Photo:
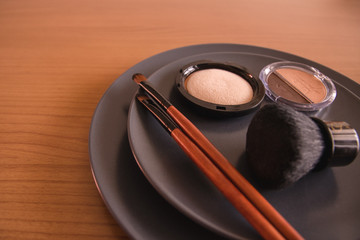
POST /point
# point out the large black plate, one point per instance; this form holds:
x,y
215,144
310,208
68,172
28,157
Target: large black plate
x,y
146,215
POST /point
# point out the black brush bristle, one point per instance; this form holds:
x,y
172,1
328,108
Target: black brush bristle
x,y
282,145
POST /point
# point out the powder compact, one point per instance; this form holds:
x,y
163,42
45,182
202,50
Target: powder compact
x,y
298,85
220,88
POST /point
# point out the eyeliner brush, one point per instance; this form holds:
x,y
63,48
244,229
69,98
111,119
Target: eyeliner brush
x,y
220,161
223,184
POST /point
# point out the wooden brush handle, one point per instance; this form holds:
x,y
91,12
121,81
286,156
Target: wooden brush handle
x,y
239,201
236,178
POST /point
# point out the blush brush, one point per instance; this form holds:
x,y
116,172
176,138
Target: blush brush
x,y
235,179
283,145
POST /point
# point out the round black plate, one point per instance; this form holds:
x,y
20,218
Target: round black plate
x,y
146,215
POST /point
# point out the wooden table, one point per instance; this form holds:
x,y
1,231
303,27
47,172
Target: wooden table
x,y
57,58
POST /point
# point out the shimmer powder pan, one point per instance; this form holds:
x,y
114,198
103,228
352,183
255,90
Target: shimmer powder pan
x,y
298,85
220,88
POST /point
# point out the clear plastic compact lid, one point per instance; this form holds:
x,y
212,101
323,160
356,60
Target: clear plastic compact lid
x,y
298,85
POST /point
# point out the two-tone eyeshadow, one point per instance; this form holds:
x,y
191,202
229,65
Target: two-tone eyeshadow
x,y
298,85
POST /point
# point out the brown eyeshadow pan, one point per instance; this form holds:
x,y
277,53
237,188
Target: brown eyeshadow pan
x,y
298,85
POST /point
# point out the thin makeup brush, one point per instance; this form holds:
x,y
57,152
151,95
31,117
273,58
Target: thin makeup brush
x,y
239,201
220,161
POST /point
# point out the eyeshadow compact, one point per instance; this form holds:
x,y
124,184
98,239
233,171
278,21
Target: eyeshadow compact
x,y
297,85
220,88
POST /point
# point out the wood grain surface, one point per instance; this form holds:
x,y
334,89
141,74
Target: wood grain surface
x,y
57,58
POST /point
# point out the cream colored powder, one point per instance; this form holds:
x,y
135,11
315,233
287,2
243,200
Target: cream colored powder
x,y
219,87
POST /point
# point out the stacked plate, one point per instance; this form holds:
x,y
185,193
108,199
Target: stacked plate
x,y
155,192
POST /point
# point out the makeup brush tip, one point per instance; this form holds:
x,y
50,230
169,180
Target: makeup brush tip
x,y
138,77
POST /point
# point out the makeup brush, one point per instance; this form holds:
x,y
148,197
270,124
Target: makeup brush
x,y
219,160
222,183
283,145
